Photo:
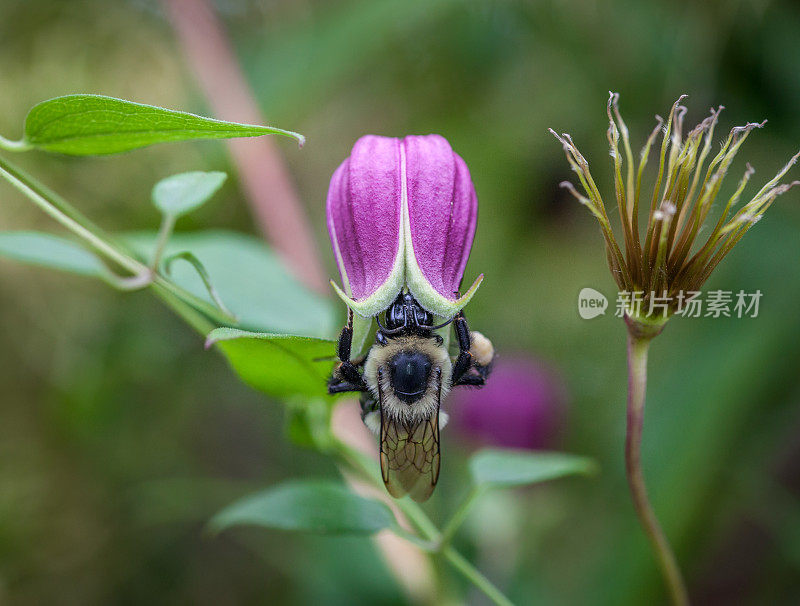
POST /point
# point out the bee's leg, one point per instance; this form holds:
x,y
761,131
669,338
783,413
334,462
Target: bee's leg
x,y
466,370
347,368
346,376
370,413
368,404
464,360
338,386
472,379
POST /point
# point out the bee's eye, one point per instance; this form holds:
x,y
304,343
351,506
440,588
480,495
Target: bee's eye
x,y
395,317
423,317
409,372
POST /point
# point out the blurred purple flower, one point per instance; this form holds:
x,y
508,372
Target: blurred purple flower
x,y
402,212
523,406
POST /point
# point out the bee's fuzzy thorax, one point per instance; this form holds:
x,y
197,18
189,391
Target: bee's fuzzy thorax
x,y
426,406
373,421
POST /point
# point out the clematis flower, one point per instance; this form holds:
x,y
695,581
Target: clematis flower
x,y
402,213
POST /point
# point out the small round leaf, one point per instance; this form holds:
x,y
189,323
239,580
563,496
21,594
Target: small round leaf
x,y
185,192
507,468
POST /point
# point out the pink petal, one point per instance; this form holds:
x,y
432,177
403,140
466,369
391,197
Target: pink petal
x,y
402,212
443,211
364,202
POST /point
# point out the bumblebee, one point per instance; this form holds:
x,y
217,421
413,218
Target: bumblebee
x,y
403,379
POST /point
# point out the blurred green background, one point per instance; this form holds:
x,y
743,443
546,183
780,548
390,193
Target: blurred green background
x,y
120,436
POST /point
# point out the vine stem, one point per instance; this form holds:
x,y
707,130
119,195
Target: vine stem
x,y
473,574
355,460
164,232
14,146
460,515
638,347
42,198
96,242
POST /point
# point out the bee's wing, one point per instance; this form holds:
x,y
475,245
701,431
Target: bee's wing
x,y
410,454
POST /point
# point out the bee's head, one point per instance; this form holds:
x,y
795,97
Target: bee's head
x,y
409,372
406,313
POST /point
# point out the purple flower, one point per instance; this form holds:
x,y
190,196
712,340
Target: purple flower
x,y
522,406
402,212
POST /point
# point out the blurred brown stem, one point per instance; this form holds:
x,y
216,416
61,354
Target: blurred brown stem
x,y
277,208
638,347
270,192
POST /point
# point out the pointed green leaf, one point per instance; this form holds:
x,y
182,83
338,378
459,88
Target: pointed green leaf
x,y
282,366
50,251
94,124
507,468
185,192
309,506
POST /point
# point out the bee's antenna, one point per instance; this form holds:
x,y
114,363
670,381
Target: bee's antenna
x,y
388,331
441,325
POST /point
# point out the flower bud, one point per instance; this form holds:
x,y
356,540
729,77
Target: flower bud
x,y
402,212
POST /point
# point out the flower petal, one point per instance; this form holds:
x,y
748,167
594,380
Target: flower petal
x,y
364,221
402,212
440,210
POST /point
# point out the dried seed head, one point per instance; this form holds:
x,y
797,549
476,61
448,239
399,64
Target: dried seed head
x,y
666,256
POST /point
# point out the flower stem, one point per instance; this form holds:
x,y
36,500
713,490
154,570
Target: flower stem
x,y
164,232
351,458
460,515
637,386
474,575
15,146
270,190
75,222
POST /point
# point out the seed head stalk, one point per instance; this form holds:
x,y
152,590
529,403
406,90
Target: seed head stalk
x,y
638,347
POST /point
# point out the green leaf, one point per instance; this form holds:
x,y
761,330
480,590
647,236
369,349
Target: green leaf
x,y
308,423
282,366
51,251
507,468
94,124
185,192
309,506
249,278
